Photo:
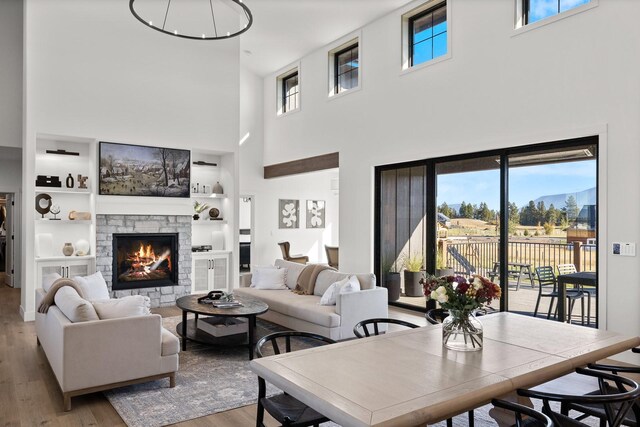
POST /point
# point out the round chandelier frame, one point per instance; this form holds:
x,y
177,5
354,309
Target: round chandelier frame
x,y
216,36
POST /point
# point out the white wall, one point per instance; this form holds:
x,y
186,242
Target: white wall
x,y
574,77
310,186
92,70
11,72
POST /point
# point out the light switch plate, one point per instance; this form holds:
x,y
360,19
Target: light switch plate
x,y
623,248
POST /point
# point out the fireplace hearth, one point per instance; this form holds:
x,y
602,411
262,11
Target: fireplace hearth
x,y
144,260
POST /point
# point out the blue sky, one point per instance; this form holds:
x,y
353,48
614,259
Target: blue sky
x,y
540,9
525,183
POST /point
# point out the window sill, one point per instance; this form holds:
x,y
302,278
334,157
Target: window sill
x,y
344,93
546,21
427,64
288,113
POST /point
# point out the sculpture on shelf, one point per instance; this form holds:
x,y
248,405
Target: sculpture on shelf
x,y
70,182
79,216
43,204
214,213
82,181
55,210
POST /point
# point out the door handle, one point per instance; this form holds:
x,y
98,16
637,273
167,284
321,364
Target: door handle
x,y
67,272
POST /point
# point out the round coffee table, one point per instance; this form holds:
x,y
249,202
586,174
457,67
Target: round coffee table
x,y
188,329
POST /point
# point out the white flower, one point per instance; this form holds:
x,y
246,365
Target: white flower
x,y
440,295
477,283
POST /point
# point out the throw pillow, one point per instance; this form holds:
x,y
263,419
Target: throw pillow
x,y
48,279
293,271
347,285
269,278
255,274
73,306
129,306
94,287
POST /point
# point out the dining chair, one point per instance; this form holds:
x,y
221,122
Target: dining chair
x,y
364,325
535,418
284,247
333,255
286,409
548,288
588,290
615,394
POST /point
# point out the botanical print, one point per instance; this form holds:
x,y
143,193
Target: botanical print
x,y
315,213
134,170
288,213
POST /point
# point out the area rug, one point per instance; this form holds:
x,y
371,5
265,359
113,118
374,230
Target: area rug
x,y
212,380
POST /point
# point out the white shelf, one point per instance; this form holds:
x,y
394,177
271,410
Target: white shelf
x,y
64,221
208,196
60,190
208,221
62,257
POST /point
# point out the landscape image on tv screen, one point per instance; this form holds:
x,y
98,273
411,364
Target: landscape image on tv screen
x,y
135,170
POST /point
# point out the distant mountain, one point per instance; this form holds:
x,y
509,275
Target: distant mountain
x,y
585,197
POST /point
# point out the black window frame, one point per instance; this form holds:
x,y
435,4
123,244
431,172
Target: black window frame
x,y
527,3
337,74
419,15
284,97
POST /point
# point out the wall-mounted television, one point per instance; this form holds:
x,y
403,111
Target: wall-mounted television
x,y
137,170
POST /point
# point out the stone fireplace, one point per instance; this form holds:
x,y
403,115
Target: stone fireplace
x,y
147,270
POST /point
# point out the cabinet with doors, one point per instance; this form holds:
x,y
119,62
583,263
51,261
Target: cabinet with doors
x,y
209,271
65,266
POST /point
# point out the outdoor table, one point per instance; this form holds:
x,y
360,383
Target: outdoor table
x,y
516,269
586,278
408,378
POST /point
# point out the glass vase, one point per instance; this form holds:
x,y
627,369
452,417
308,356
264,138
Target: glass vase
x,y
461,331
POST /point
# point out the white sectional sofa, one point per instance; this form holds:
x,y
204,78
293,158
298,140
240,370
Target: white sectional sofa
x,y
304,312
95,355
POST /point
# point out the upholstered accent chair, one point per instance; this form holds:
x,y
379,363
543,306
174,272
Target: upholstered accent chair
x,y
284,247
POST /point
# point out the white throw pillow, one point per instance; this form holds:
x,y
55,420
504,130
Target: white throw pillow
x,y
94,287
293,271
255,273
353,285
133,305
48,279
331,294
269,278
73,306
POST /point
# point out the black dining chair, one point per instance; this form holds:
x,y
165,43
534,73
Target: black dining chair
x,y
365,324
535,418
287,410
548,288
614,394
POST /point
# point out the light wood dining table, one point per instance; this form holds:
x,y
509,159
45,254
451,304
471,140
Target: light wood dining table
x,y
407,378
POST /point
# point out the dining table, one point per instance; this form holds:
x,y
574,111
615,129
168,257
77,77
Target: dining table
x,y
407,378
582,278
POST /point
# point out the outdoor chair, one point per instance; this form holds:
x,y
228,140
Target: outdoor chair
x,y
614,394
284,247
364,325
332,255
588,290
548,288
287,410
535,418
467,268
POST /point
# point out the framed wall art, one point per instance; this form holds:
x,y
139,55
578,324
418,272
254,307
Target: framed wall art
x,y
288,213
136,170
315,213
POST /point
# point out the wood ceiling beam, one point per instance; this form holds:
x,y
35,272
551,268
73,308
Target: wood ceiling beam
x,y
309,164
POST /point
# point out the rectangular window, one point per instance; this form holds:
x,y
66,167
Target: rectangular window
x,y
536,10
290,92
428,35
346,66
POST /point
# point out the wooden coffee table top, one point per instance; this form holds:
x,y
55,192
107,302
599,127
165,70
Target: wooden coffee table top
x,y
251,306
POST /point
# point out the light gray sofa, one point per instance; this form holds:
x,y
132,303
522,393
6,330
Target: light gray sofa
x,y
304,312
96,355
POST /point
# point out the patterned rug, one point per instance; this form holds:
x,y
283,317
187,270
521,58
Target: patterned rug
x,y
212,380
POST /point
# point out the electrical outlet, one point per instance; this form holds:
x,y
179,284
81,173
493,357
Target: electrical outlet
x,y
623,248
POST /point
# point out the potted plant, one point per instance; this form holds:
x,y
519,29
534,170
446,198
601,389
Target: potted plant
x,y
198,208
391,280
412,275
441,268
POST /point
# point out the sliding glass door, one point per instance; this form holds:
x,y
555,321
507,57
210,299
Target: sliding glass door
x,y
503,214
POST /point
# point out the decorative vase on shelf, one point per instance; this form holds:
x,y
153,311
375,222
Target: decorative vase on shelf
x,y
196,217
217,188
70,181
68,249
462,331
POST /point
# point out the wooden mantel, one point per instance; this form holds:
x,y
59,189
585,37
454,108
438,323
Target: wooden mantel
x,y
309,164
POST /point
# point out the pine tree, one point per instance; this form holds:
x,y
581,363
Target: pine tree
x,y
571,208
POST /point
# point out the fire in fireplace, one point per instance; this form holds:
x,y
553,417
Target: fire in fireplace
x,y
143,260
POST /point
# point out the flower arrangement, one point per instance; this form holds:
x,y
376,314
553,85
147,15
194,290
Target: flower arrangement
x,y
457,293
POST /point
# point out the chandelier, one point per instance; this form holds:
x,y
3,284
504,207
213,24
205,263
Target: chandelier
x,y
194,19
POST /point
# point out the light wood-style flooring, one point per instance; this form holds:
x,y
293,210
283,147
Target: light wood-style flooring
x,y
29,393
